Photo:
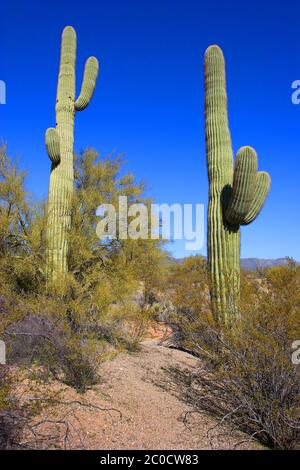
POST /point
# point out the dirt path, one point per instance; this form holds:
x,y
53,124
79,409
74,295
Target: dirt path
x,y
151,401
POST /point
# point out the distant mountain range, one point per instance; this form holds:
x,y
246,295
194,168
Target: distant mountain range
x,y
250,264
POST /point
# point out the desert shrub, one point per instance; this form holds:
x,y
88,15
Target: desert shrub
x,y
18,410
69,326
118,266
185,300
187,284
48,341
247,378
21,231
130,324
10,415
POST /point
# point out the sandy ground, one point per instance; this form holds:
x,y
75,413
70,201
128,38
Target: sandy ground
x,y
148,388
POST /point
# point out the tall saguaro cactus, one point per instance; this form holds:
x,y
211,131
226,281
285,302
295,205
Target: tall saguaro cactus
x,y
237,191
59,144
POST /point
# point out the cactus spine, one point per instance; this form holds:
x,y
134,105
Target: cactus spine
x,y
237,191
59,145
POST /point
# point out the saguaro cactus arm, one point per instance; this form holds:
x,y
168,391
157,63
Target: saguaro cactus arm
x,y
243,188
53,145
262,188
88,85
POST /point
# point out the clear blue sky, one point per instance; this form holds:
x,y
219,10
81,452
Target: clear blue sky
x,y
149,97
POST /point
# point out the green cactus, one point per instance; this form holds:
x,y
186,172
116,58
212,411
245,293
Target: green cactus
x,y
59,144
237,191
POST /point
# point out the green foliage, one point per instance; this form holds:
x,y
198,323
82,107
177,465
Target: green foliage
x,y
72,326
112,269
187,286
237,192
246,377
21,230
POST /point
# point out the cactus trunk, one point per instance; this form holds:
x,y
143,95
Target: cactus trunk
x,y
235,195
60,147
223,239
